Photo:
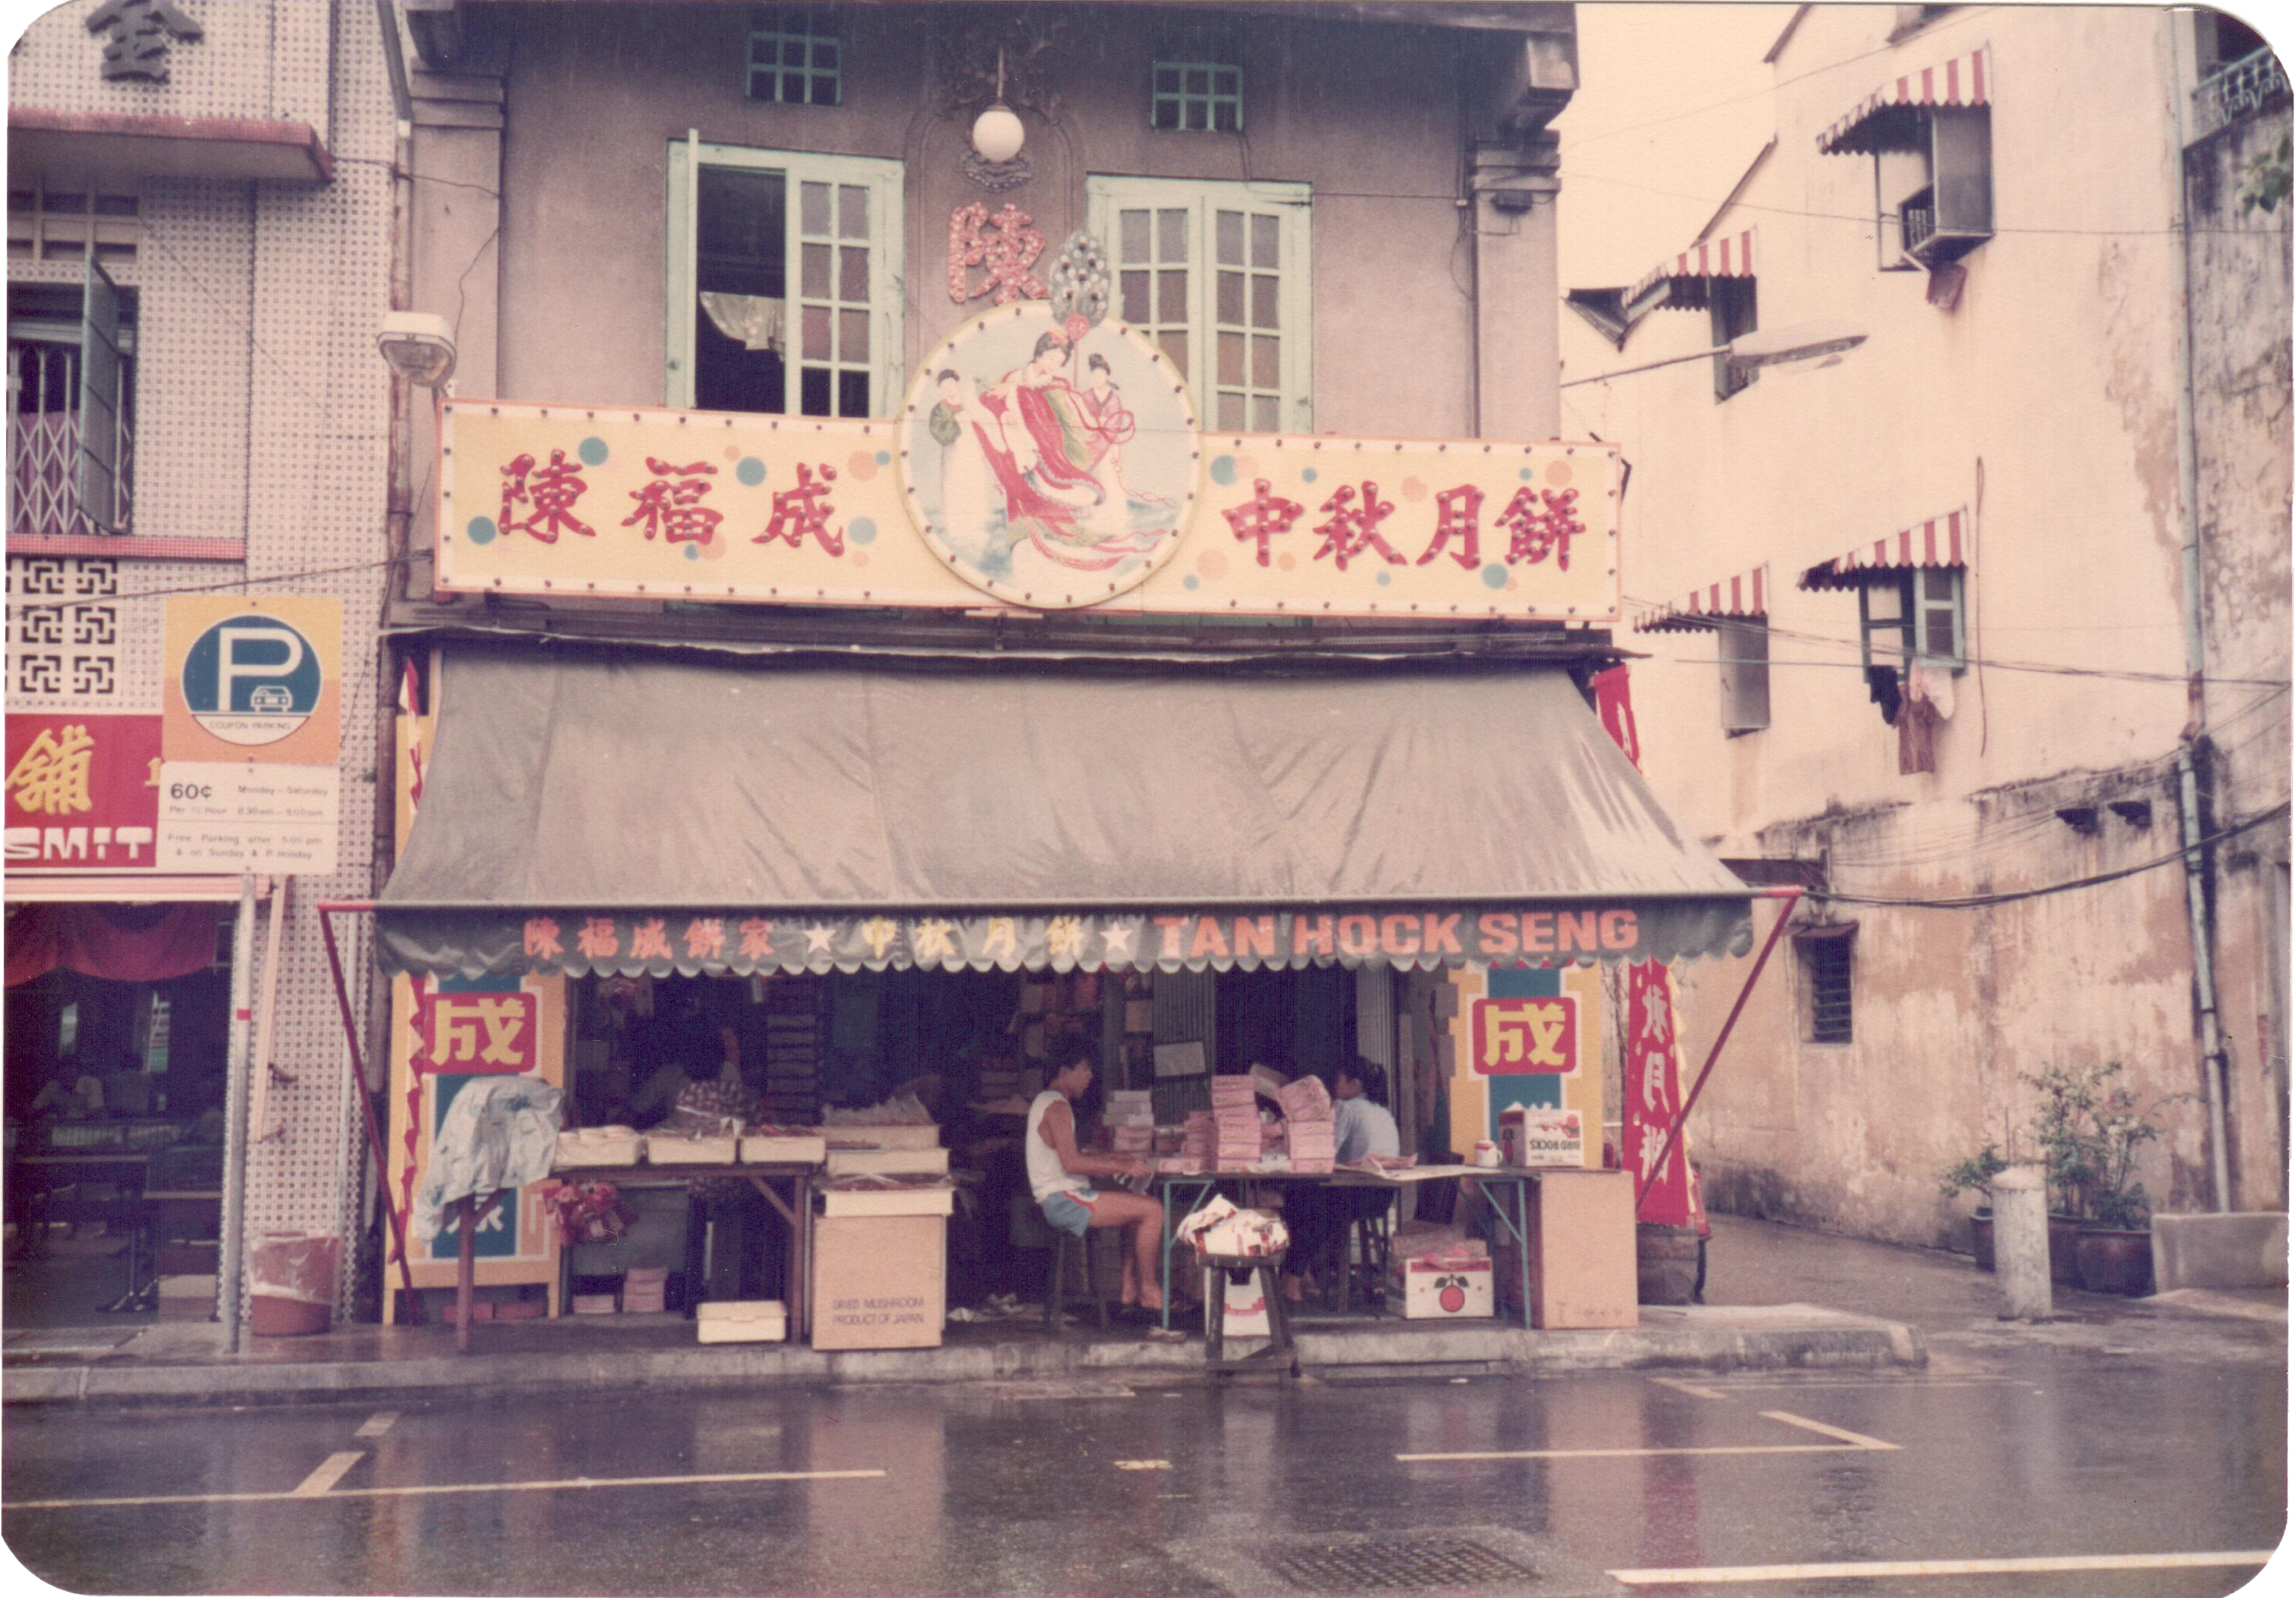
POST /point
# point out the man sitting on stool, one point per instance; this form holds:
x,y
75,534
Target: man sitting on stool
x,y
1058,1169
1319,1216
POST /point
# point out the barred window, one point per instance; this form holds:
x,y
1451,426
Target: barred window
x,y
795,55
1196,83
1828,956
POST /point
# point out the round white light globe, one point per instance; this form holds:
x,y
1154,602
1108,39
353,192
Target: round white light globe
x,y
998,133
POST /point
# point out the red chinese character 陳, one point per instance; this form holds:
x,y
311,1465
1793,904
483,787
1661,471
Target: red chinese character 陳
x,y
1458,514
1265,516
1539,520
804,509
549,496
542,938
671,503
757,938
1004,244
649,941
596,940
1353,529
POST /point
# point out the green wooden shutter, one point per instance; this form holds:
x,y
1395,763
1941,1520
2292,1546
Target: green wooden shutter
x,y
95,488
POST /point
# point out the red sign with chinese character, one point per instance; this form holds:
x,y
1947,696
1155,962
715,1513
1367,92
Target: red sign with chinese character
x,y
474,1033
1525,1037
1653,1098
83,793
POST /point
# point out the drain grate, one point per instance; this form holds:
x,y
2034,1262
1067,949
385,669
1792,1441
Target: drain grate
x,y
1403,1565
1234,1555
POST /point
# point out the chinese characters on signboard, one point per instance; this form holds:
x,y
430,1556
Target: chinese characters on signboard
x,y
1042,465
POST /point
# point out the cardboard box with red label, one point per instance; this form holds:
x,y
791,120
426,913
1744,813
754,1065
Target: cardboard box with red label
x,y
1435,1291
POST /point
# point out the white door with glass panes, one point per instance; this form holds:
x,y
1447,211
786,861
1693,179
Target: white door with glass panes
x,y
1217,274
784,279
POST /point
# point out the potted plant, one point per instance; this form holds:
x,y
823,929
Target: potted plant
x,y
2089,1130
1976,1174
2062,1128
2114,1250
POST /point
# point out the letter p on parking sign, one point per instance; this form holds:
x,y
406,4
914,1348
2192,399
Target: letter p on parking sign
x,y
250,678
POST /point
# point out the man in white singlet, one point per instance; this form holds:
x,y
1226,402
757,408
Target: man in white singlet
x,y
1059,1174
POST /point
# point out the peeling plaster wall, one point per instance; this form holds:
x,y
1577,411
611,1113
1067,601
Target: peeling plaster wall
x,y
2045,403
2241,380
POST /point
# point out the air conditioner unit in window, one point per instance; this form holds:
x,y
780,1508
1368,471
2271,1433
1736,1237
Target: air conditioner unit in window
x,y
1953,214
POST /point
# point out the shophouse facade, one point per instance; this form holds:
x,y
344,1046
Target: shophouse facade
x,y
1951,620
199,226
1324,227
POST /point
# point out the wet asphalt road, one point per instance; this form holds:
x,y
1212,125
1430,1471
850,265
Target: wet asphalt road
x,y
1997,1450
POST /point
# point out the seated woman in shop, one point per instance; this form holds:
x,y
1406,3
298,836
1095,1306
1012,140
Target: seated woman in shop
x,y
1059,1178
1319,1216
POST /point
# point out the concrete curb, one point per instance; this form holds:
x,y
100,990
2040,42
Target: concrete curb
x,y
1706,1340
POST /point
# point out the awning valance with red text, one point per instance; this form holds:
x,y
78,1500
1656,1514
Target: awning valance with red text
x,y
635,813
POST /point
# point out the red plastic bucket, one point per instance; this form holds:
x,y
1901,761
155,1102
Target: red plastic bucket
x,y
291,1283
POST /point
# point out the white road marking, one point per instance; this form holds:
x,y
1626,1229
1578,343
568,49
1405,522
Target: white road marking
x,y
1630,1452
1856,1439
1909,1384
376,1425
1851,1442
568,1485
1143,1464
1692,1388
1935,1567
329,1474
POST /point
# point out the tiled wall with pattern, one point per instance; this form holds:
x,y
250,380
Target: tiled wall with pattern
x,y
262,412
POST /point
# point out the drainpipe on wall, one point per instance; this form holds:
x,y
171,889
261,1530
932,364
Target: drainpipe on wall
x,y
2197,858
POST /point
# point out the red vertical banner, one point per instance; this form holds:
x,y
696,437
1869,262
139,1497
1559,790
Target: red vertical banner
x,y
1652,1099
1652,1094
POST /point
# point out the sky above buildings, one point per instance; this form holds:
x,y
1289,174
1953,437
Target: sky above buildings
x,y
1673,105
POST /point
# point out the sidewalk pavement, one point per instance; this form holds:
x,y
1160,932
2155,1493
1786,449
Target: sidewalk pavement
x,y
1767,1285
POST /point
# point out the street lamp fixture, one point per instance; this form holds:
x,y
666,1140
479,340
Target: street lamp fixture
x,y
419,346
1821,342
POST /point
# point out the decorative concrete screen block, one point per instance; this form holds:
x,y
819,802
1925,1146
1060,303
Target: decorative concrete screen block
x,y
879,1282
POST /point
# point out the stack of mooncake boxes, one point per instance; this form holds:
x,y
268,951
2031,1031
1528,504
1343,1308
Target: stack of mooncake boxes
x,y
1131,1122
1308,1125
1235,1123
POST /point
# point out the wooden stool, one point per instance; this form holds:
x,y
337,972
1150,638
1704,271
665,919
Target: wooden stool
x,y
1066,1246
1366,1235
1279,1352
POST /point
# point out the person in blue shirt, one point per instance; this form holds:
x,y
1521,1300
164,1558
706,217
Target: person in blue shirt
x,y
1318,1216
1361,1125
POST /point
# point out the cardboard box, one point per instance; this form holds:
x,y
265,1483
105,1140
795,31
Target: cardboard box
x,y
1582,1263
766,1149
1542,1138
923,1135
888,1162
936,1199
879,1282
1432,1292
664,1148
742,1321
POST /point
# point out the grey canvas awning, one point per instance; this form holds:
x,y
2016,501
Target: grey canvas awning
x,y
611,814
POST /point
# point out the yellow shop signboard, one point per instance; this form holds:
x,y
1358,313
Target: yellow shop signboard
x,y
1032,465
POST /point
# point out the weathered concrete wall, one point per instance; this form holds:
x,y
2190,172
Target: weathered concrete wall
x,y
596,94
2240,266
2043,402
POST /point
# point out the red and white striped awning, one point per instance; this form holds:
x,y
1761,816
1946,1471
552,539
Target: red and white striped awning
x,y
1686,275
1940,540
1740,598
1888,118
